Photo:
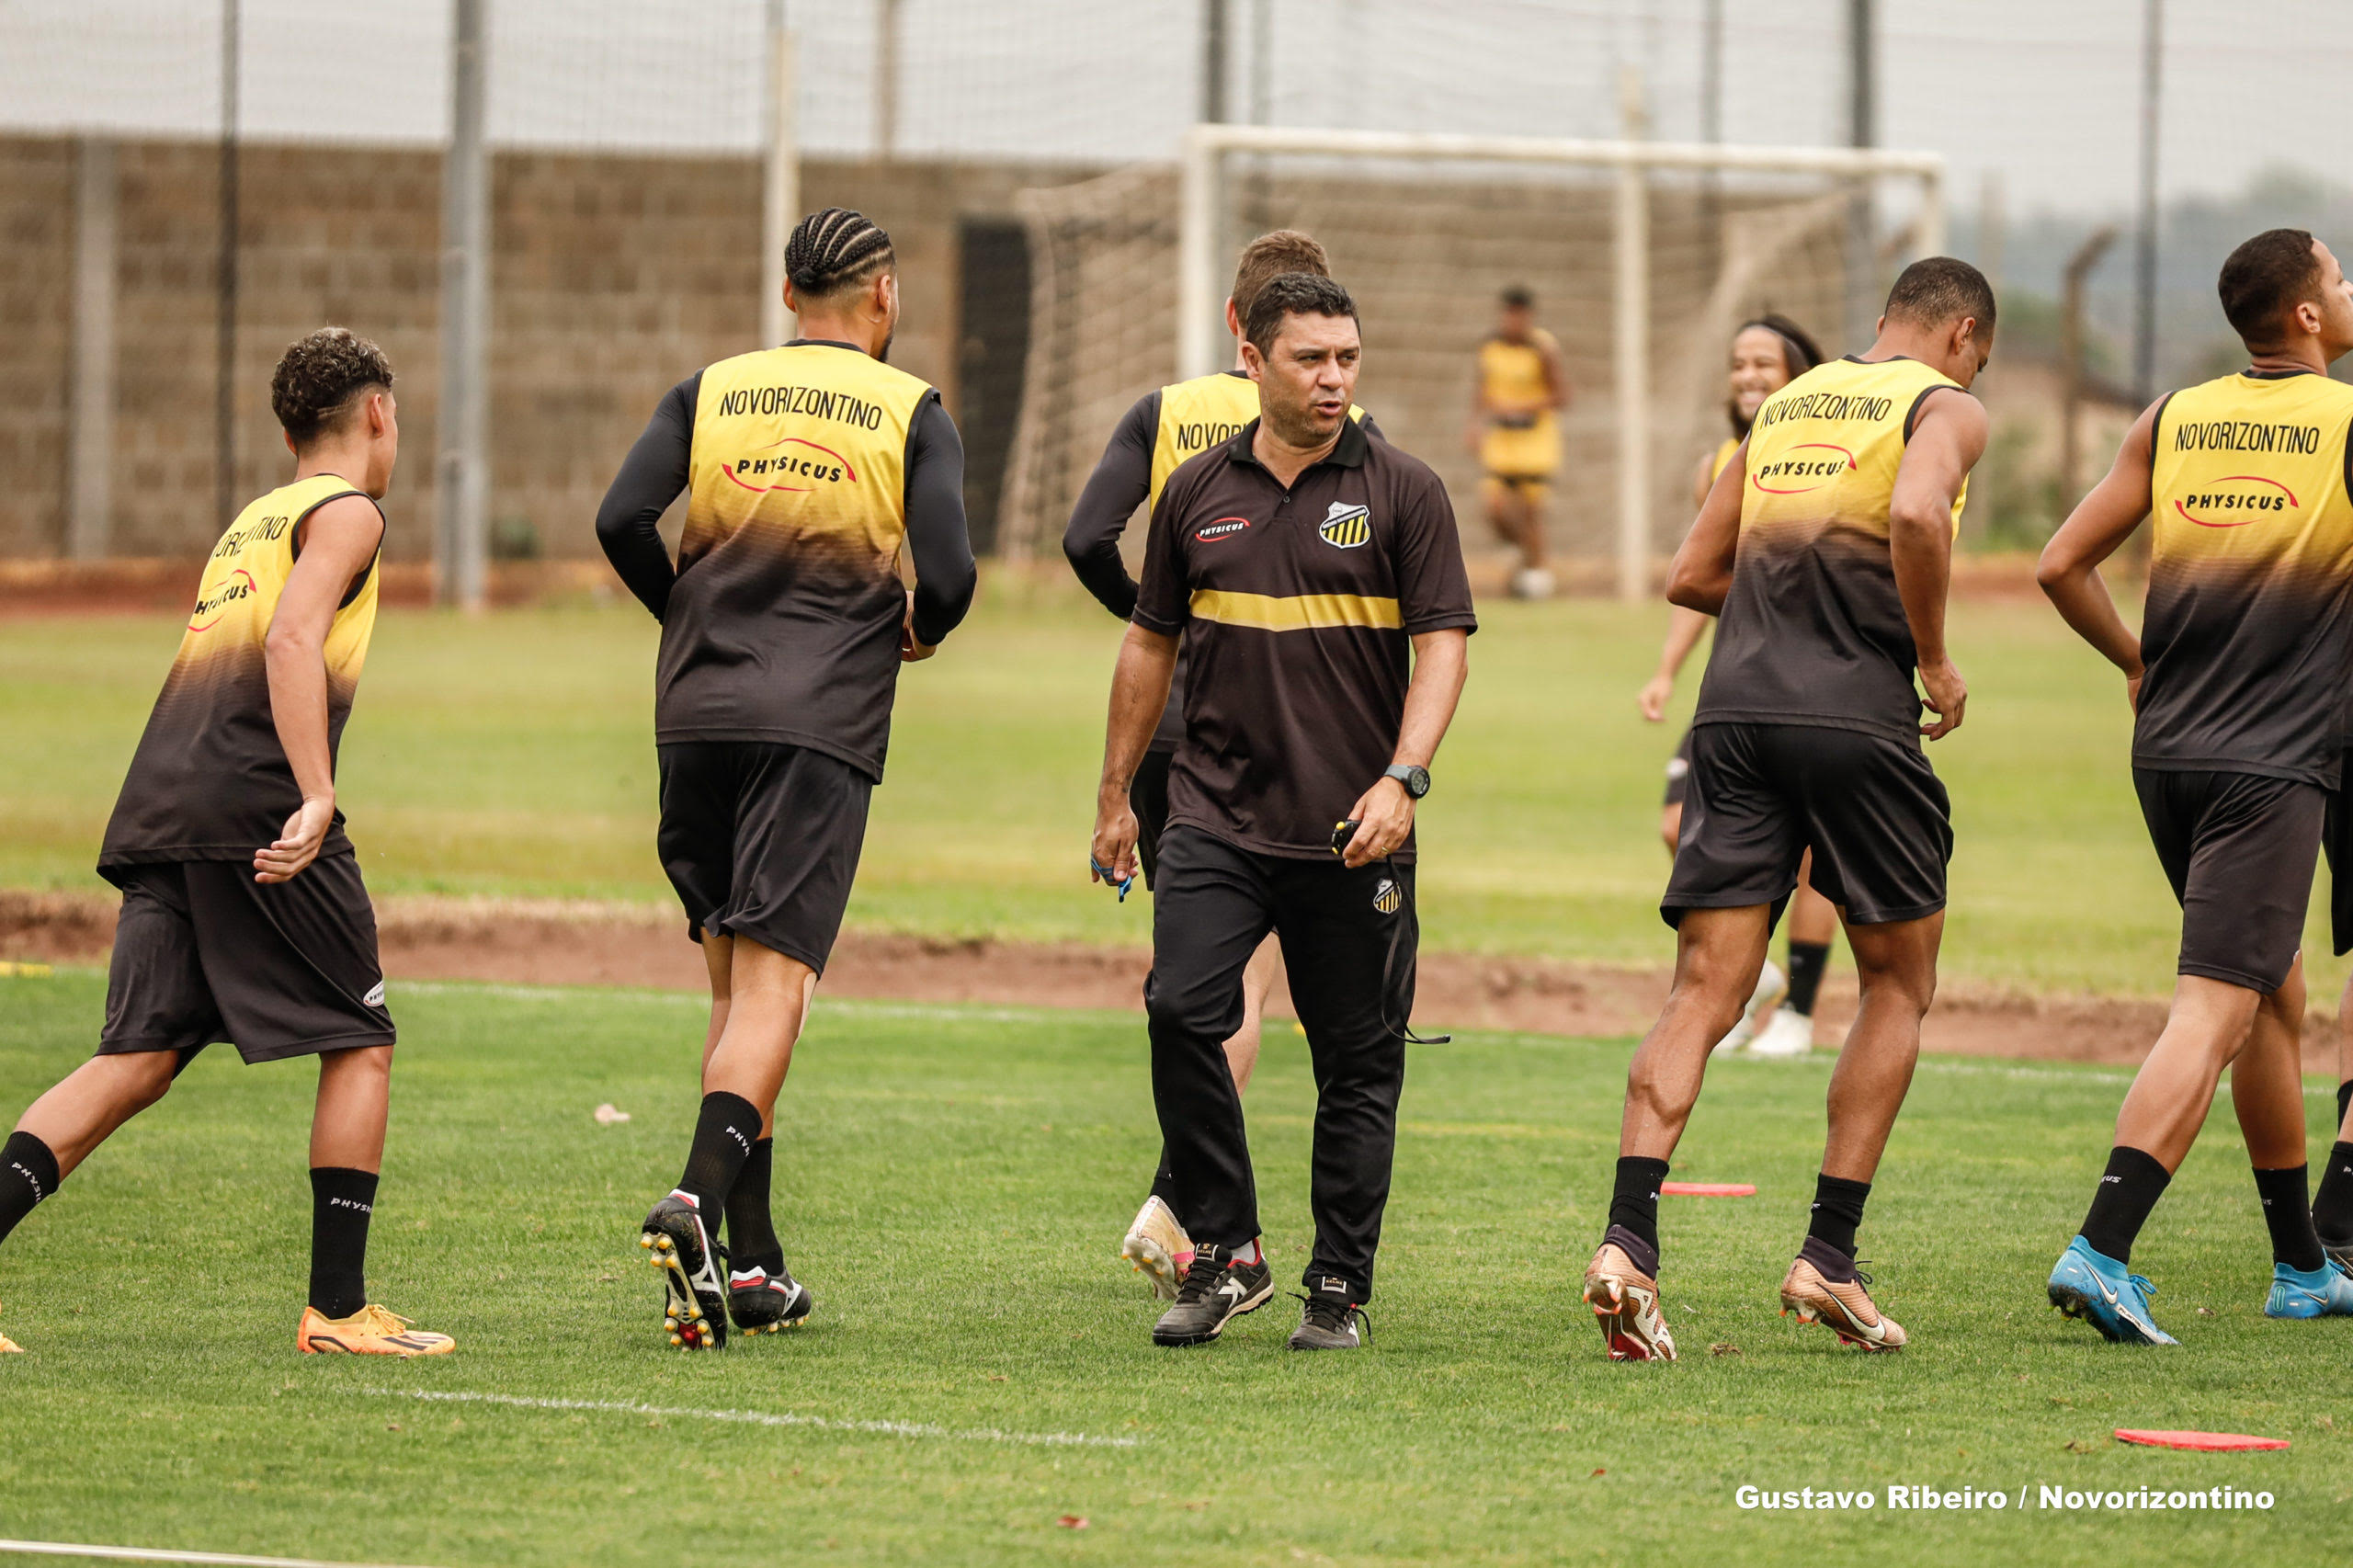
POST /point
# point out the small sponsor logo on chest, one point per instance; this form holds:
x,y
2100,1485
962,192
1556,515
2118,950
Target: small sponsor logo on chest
x,y
1345,527
1225,528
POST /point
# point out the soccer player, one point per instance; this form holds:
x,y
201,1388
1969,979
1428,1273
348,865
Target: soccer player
x,y
1824,550
1302,561
1515,432
809,469
1766,354
2237,682
1165,428
243,916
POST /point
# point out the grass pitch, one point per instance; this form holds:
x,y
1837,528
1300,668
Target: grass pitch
x,y
952,1183
514,754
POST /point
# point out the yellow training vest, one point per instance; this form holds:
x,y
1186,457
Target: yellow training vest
x,y
1724,456
2249,633
1826,448
209,780
805,443
1522,444
1198,415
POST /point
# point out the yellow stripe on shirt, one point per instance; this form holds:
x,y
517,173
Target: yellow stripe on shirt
x,y
1296,612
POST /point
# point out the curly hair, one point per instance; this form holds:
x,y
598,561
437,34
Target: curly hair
x,y
319,377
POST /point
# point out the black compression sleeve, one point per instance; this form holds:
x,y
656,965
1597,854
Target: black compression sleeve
x,y
1113,492
651,477
937,540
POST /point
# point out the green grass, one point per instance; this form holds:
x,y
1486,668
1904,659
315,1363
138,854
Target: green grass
x,y
514,755
953,1184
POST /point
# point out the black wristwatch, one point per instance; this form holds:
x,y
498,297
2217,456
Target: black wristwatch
x,y
1415,780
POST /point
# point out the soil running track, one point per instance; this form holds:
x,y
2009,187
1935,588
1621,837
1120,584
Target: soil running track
x,y
554,943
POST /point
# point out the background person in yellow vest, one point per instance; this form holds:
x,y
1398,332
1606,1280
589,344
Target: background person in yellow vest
x,y
243,916
1824,550
810,470
1766,354
2237,681
1515,432
1165,428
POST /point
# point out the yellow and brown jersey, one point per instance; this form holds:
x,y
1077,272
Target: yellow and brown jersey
x,y
1730,445
1814,631
783,623
1524,444
2249,622
210,780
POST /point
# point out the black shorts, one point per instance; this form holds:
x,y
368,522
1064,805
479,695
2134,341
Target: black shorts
x,y
1148,798
1679,770
762,841
204,955
2240,850
2336,837
1759,796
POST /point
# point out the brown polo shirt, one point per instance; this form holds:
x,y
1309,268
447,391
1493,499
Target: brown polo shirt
x,y
1296,608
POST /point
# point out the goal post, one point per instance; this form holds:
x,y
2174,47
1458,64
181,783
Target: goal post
x,y
1204,240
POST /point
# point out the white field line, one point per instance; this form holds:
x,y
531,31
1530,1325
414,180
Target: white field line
x,y
775,1418
154,1554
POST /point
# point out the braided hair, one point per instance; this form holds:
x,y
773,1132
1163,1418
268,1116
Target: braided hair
x,y
834,250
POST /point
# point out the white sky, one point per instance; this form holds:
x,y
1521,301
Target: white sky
x,y
2044,92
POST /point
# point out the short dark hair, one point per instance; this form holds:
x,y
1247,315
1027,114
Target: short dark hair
x,y
1268,258
832,251
1294,294
1941,288
1518,297
2264,278
319,377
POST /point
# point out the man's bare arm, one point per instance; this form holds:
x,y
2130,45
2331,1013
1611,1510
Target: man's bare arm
x,y
1945,445
1385,814
337,542
1139,694
2069,571
1702,576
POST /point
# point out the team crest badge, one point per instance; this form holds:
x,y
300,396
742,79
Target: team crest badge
x,y
1386,897
1347,527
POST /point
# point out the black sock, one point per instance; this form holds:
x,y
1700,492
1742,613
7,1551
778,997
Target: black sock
x,y
751,1230
2332,1206
724,1134
27,1175
2286,1213
1807,962
341,1201
1634,1203
2129,1189
1838,1209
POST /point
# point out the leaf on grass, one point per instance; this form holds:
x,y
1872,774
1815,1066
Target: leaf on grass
x,y
610,1113
2076,1446
1723,1348
1071,1522
1597,1470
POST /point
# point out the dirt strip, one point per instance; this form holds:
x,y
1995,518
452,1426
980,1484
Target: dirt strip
x,y
547,942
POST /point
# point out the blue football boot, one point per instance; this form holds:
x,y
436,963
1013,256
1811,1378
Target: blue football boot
x,y
2094,1287
2323,1293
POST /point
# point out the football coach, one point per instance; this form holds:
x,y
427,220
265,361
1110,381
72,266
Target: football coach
x,y
1313,574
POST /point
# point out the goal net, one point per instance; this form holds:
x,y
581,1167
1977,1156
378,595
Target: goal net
x,y
1130,270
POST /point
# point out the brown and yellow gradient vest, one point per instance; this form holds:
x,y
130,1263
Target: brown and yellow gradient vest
x,y
210,780
1194,415
2248,634
1814,631
784,624
1528,446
